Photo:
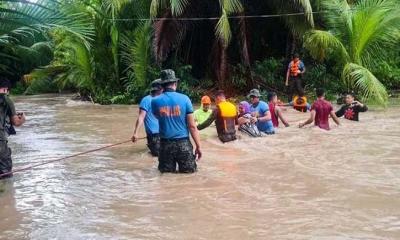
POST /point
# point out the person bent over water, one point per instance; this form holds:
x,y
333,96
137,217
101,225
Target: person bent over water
x,y
260,112
201,115
276,111
147,117
244,121
225,117
320,112
174,112
351,109
7,112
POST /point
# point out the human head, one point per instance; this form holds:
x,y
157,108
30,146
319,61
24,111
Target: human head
x,y
254,96
220,96
272,97
244,107
320,93
296,57
349,98
205,103
168,79
4,85
156,88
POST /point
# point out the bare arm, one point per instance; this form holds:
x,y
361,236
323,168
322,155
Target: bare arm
x,y
138,124
287,77
281,117
18,120
335,118
195,135
309,120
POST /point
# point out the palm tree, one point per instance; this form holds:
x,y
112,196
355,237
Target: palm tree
x,y
359,35
172,34
24,29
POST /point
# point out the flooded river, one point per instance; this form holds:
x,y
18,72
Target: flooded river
x,y
298,184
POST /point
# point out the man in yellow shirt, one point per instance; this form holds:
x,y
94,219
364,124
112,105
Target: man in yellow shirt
x,y
202,114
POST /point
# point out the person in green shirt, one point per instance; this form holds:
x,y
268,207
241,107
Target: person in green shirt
x,y
202,114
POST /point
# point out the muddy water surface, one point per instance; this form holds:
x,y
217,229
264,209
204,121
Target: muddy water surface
x,y
297,184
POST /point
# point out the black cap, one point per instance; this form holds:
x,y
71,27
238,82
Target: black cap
x,y
4,82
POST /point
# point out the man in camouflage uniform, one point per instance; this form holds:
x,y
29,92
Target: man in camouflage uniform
x,y
174,112
7,114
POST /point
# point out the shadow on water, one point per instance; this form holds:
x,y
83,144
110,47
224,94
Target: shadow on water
x,y
297,184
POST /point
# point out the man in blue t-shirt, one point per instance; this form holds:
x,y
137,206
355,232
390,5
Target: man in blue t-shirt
x,y
174,112
147,117
260,113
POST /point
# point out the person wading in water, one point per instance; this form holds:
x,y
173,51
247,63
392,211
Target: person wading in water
x,y
294,74
225,117
7,115
147,117
174,112
260,113
201,115
351,109
320,112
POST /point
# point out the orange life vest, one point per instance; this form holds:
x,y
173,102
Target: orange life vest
x,y
294,68
300,103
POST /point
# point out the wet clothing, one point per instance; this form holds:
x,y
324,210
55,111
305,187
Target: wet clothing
x,y
300,104
260,110
7,111
175,152
351,112
225,117
295,79
150,121
153,143
200,116
249,128
322,109
274,116
171,110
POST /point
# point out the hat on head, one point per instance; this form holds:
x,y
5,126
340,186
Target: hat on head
x,y
168,76
255,93
205,100
156,85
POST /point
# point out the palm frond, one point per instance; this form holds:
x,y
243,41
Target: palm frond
x,y
322,43
365,82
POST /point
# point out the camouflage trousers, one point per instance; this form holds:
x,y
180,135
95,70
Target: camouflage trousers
x,y
5,159
175,152
153,143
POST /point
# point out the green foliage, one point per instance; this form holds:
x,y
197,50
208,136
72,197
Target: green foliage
x,y
272,72
357,34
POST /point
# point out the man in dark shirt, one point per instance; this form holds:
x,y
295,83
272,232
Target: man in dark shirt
x,y
320,112
225,117
7,111
351,109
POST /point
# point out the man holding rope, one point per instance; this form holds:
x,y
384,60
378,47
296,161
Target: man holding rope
x,y
7,114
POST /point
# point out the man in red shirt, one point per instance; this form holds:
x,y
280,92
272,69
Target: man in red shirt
x,y
320,112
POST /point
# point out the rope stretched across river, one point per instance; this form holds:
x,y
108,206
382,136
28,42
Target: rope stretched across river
x,y
64,158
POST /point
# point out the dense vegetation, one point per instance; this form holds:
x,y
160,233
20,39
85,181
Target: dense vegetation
x,y
109,50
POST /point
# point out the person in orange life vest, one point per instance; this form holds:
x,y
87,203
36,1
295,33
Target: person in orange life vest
x,y
276,111
320,112
300,103
351,109
294,73
225,117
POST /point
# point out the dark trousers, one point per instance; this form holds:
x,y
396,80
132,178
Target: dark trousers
x,y
5,159
175,152
295,87
153,143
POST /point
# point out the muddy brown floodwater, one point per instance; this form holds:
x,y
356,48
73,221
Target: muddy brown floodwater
x,y
298,184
